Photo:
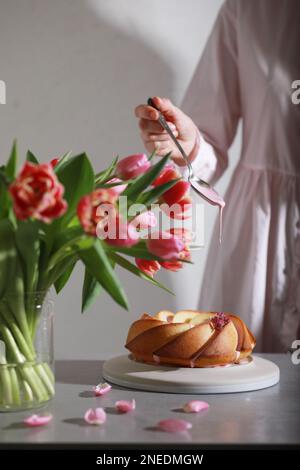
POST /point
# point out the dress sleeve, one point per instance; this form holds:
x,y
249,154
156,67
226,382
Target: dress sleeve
x,y
213,97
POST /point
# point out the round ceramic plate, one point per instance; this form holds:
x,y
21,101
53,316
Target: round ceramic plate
x,y
252,375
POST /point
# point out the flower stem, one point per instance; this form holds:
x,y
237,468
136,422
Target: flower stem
x,y
15,386
7,395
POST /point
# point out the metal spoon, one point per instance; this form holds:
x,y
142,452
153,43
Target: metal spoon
x,y
201,187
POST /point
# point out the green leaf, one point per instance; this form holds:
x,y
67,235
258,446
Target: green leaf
x,y
62,162
77,177
7,256
5,200
124,263
139,250
11,166
60,283
152,155
98,265
70,233
152,195
112,185
30,157
143,181
58,271
105,175
27,241
82,242
90,290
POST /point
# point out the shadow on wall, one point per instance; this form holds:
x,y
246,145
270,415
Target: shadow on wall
x,y
72,79
72,82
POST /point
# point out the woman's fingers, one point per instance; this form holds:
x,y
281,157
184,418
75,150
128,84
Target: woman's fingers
x,y
155,137
162,137
161,148
154,126
144,111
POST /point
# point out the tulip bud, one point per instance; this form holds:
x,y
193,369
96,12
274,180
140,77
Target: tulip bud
x,y
132,166
164,245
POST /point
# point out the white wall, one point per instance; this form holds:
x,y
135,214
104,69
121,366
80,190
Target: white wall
x,y
74,71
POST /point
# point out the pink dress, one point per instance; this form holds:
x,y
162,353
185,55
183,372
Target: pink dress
x,y
246,72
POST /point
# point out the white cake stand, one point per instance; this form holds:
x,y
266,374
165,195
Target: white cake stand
x,y
255,374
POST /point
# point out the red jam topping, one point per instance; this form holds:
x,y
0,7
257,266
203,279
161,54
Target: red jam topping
x,y
220,320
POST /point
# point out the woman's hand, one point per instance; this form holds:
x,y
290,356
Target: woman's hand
x,y
155,137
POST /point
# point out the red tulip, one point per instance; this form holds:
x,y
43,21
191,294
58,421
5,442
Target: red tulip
x,y
180,210
167,174
94,209
165,245
54,162
183,233
132,166
176,193
37,193
149,267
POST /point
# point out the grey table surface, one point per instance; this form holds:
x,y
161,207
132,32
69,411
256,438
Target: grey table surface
x,y
270,416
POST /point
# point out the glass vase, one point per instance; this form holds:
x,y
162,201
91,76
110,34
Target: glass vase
x,y
26,350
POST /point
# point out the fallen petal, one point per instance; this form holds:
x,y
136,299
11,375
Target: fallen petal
x,y
125,406
195,406
38,420
95,416
174,425
101,389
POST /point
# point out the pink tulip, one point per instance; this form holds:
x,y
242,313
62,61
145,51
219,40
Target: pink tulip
x,y
174,425
124,406
119,188
38,420
95,416
165,245
148,266
177,264
195,406
144,220
119,233
132,166
101,389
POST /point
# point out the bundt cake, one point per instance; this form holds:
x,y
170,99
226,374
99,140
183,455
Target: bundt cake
x,y
190,339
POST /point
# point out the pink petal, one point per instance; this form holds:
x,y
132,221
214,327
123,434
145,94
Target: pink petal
x,y
195,406
174,425
101,389
125,406
119,188
38,420
144,220
95,416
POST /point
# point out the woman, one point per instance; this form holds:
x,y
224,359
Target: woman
x,y
246,72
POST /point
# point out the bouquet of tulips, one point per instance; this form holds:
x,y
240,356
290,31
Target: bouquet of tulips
x,y
53,215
